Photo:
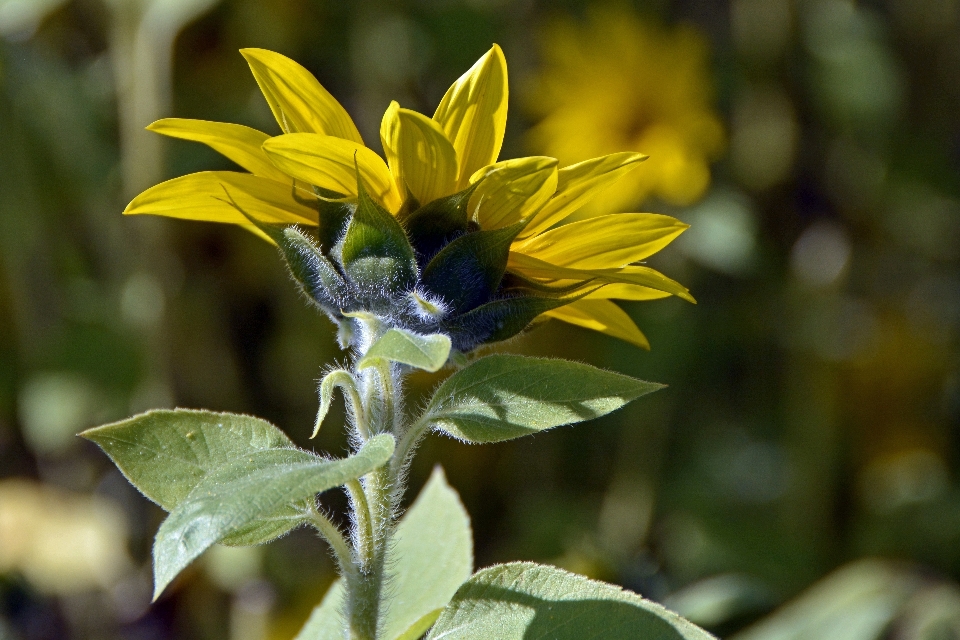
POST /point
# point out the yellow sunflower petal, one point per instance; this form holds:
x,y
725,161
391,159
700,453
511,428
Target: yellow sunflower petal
x,y
420,155
636,277
603,316
328,162
200,196
580,182
235,141
512,190
619,291
299,103
473,113
603,242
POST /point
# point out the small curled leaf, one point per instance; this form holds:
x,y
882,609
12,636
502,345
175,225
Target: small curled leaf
x,y
337,378
429,353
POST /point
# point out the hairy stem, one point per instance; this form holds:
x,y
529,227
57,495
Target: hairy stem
x,y
364,538
372,511
329,532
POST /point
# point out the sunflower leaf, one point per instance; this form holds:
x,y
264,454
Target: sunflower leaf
x,y
165,454
248,491
525,601
501,397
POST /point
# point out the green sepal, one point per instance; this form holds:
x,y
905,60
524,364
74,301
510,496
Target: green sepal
x,y
497,320
315,274
434,225
514,283
467,272
333,213
332,222
375,251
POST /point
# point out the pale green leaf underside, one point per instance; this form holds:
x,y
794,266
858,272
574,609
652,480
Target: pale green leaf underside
x,y
165,454
397,345
325,621
501,397
261,485
431,556
526,601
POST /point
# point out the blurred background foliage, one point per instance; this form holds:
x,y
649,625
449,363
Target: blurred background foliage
x,y
798,478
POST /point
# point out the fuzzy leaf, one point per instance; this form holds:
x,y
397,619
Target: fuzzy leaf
x,y
336,378
432,555
501,397
243,493
527,601
467,272
326,620
165,454
397,345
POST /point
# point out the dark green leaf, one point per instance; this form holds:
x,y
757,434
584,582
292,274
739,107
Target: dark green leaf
x,y
165,454
526,601
243,493
375,250
467,272
501,397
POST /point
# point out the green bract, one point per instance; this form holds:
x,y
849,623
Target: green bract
x,y
430,272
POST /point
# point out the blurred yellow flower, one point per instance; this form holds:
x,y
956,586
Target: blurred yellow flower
x,y
620,83
322,157
61,542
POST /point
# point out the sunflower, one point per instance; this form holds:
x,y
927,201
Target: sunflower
x,y
617,82
439,235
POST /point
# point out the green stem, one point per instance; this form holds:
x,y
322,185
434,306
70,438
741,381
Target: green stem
x,y
387,387
362,519
405,446
372,505
334,538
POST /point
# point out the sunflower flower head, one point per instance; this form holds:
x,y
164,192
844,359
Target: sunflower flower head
x,y
617,82
437,237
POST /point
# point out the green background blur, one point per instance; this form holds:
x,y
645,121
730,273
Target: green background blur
x,y
812,413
